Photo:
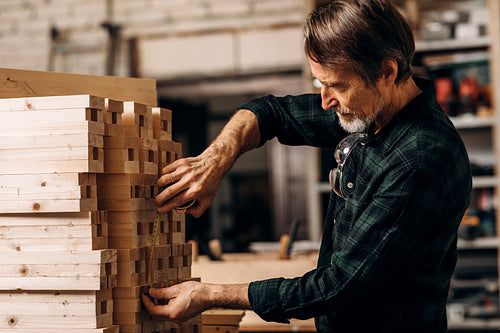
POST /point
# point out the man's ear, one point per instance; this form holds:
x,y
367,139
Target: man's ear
x,y
389,70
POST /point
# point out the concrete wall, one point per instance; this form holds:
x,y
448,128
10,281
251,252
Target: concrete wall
x,y
174,37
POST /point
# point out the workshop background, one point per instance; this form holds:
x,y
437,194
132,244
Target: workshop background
x,y
209,56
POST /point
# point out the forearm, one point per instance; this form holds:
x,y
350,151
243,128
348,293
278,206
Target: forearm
x,y
233,296
239,135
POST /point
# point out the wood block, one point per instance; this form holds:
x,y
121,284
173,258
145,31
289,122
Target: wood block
x,y
131,280
51,103
27,193
131,261
148,156
222,317
113,111
131,318
21,83
219,329
121,154
162,123
137,120
133,328
129,292
169,151
131,235
79,270
128,305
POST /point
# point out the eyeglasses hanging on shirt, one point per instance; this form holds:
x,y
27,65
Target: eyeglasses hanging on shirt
x,y
342,152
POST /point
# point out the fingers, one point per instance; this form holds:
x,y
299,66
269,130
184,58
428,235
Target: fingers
x,y
158,311
183,180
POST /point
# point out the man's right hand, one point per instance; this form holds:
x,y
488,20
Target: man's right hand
x,y
198,178
193,178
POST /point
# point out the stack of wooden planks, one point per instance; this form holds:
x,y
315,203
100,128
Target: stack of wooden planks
x,y
77,183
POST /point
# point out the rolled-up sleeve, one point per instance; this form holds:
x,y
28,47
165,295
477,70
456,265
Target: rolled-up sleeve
x,y
264,299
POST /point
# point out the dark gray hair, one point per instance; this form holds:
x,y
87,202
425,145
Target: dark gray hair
x,y
358,35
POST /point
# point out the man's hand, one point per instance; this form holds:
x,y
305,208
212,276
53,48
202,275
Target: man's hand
x,y
186,300
183,301
193,178
198,178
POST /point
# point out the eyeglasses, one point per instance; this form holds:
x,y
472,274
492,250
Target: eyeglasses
x,y
342,152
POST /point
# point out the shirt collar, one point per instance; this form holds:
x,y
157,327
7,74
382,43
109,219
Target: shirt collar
x,y
414,111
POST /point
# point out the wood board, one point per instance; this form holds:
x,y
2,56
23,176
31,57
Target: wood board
x,y
22,83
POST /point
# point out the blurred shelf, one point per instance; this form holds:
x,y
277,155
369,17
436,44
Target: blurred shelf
x,y
452,44
475,324
479,243
471,122
484,181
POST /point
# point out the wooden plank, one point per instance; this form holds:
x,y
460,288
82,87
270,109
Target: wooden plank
x,y
49,127
48,231
61,258
48,180
110,329
48,193
51,103
69,141
49,206
33,118
21,83
76,219
58,244
52,160
18,321
90,297
85,270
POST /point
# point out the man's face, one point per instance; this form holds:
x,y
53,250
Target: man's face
x,y
356,105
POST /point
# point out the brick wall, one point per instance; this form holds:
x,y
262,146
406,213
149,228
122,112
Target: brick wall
x,y
175,37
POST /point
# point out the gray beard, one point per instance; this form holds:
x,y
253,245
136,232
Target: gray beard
x,y
356,125
360,124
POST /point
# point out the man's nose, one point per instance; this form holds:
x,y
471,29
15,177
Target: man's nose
x,y
328,99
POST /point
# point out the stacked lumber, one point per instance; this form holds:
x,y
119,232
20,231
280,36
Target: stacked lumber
x,y
77,185
57,271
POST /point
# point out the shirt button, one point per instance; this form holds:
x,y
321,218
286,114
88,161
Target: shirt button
x,y
350,185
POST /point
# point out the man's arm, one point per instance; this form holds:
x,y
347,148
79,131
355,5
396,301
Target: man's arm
x,y
186,300
199,177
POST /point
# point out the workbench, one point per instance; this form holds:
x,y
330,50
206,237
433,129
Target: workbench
x,y
248,267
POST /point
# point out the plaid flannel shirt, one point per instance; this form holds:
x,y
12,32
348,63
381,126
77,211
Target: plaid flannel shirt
x,y
389,250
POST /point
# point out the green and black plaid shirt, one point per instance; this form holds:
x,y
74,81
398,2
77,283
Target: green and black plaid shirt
x,y
389,250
